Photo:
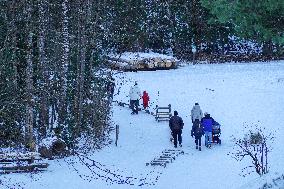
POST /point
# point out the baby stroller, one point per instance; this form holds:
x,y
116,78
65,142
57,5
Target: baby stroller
x,y
216,132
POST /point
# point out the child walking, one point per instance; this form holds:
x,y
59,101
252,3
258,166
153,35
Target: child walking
x,y
146,99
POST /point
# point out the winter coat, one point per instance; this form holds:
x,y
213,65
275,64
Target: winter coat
x,y
207,123
134,93
196,113
197,129
176,123
110,87
145,98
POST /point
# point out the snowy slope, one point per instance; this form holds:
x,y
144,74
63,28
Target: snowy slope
x,y
234,94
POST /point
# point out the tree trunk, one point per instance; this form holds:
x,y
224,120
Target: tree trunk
x,y
64,67
44,115
29,72
12,35
81,58
196,25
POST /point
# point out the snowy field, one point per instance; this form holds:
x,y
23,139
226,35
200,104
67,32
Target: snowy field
x,y
234,94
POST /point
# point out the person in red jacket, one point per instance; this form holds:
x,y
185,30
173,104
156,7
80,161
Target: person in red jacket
x,y
146,99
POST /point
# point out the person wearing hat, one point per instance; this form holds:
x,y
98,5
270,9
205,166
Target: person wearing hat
x,y
176,126
196,112
145,99
207,123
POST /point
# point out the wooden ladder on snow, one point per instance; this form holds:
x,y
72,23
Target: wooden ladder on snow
x,y
168,156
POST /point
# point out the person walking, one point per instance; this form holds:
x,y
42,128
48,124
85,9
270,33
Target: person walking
x,y
176,126
146,99
197,131
110,88
207,123
196,112
135,95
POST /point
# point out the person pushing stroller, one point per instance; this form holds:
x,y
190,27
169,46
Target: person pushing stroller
x,y
207,122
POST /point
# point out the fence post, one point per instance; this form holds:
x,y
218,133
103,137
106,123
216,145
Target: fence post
x,y
116,134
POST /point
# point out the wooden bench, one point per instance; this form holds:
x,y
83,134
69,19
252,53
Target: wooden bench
x,y
23,168
21,162
163,113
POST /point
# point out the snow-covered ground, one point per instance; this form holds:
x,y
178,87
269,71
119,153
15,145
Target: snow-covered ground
x,y
234,94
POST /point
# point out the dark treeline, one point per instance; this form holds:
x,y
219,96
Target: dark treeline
x,y
51,52
211,27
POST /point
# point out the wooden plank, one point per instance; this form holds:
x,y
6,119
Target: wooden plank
x,y
163,116
5,163
163,120
158,163
168,157
20,171
171,150
19,159
159,108
19,155
167,160
25,167
163,113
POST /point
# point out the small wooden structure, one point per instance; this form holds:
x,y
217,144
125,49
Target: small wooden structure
x,y
21,162
163,113
167,156
116,134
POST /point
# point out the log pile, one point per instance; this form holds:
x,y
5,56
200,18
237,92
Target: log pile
x,y
141,61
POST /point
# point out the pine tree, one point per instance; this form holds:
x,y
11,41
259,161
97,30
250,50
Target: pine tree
x,y
261,21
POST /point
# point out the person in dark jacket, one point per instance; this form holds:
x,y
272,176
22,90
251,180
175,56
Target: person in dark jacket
x,y
207,123
110,88
197,131
176,126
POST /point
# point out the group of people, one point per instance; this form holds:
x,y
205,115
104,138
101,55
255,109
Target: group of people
x,y
200,126
135,96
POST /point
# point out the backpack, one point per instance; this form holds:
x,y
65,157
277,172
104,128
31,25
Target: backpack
x,y
198,130
176,123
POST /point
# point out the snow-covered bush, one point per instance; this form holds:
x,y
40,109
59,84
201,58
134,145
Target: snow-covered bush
x,y
254,145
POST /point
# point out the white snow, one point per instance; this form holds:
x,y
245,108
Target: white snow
x,y
48,141
234,94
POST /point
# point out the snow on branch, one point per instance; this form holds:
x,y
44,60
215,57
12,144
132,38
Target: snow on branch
x,y
256,144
